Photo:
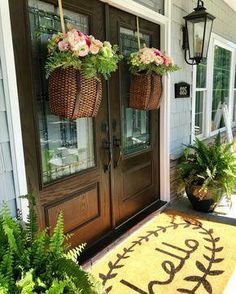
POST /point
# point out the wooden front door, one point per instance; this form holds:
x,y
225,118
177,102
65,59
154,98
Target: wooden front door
x,y
64,159
99,172
135,133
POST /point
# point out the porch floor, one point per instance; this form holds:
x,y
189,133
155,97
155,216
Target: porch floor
x,y
223,214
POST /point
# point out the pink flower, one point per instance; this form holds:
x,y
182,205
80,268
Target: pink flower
x,y
157,52
84,50
167,60
87,39
159,60
63,46
94,49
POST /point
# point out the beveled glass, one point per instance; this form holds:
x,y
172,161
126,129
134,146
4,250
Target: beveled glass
x,y
67,146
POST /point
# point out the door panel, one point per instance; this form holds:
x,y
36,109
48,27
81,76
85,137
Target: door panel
x,y
135,174
65,162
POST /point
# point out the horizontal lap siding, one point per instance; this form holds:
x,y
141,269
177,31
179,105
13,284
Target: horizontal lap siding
x,y
7,191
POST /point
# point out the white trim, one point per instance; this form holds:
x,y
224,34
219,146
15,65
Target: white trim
x,y
12,105
216,40
165,22
135,8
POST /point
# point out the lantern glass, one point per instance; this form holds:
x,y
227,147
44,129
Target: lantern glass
x,y
208,29
196,38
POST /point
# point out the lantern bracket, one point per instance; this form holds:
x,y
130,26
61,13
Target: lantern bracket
x,y
200,6
201,14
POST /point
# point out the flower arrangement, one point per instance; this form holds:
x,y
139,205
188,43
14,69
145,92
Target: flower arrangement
x,y
80,51
151,60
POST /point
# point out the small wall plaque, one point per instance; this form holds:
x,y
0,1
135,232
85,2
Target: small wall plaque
x,y
182,90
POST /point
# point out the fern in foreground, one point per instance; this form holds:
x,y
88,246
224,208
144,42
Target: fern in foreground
x,y
32,261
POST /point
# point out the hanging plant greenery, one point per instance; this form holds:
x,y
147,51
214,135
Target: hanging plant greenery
x,y
151,60
82,52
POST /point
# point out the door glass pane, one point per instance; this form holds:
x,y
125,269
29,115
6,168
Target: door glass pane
x,y
66,145
221,84
135,123
156,5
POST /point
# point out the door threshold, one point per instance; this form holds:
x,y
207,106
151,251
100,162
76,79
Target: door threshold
x,y
99,246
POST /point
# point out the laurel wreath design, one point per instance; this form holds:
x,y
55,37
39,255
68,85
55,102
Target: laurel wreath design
x,y
207,271
199,279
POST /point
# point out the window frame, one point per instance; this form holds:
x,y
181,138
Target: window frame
x,y
207,132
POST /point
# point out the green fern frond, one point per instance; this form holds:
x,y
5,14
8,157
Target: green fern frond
x,y
74,272
31,224
57,239
26,284
74,253
57,287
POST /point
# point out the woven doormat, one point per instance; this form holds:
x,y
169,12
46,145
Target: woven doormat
x,y
172,253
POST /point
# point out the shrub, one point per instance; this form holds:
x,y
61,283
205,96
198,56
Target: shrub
x,y
32,261
209,166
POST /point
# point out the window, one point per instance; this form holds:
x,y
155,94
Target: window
x,y
234,104
200,98
221,85
215,84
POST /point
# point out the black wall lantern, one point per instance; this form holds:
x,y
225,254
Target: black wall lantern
x,y
197,34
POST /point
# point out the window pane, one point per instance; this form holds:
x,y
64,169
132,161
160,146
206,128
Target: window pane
x,y
156,5
201,75
234,107
135,123
221,83
66,145
199,107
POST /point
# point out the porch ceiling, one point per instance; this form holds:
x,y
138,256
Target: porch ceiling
x,y
231,3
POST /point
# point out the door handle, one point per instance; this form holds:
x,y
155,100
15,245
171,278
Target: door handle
x,y
117,145
106,145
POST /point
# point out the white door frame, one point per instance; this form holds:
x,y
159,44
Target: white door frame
x,y
165,23
12,107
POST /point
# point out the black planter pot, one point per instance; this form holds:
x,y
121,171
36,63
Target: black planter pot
x,y
204,202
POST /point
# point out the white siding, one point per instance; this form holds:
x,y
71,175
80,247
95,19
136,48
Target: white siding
x,y
7,190
181,109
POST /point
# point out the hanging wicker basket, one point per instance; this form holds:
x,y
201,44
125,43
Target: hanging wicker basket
x,y
145,91
72,96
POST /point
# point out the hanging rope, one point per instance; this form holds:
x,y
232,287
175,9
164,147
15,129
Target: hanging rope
x,y
61,16
137,22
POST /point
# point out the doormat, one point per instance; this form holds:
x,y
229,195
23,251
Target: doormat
x,y
172,253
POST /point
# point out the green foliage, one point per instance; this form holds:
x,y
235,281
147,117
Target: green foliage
x,y
75,49
210,166
152,68
62,59
151,60
102,63
33,261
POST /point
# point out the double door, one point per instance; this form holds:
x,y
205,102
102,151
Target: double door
x,y
100,172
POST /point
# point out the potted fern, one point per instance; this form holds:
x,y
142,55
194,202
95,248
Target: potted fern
x,y
207,172
32,261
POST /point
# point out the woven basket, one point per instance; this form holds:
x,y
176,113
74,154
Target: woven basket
x,y
145,91
72,96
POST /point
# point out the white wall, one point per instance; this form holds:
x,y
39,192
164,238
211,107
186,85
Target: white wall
x,y
12,165
7,187
180,113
